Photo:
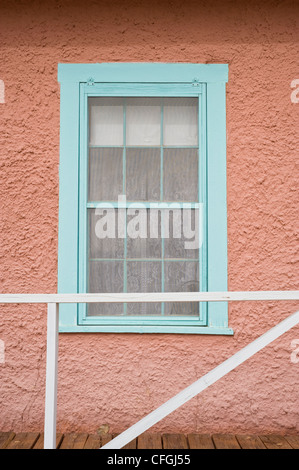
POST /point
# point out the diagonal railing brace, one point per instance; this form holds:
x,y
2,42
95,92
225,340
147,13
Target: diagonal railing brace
x,y
202,383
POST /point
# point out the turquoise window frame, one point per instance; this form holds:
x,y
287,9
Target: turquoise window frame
x,y
207,83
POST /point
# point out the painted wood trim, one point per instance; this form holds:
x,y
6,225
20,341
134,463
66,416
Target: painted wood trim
x,y
85,92
216,201
83,217
51,376
147,329
143,72
202,197
200,77
63,298
68,198
143,89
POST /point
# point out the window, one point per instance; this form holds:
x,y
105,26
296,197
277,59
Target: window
x,y
143,194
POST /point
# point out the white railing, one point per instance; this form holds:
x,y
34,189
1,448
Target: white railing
x,y
53,301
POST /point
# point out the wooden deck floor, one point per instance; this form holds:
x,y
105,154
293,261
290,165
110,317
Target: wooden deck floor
x,y
34,440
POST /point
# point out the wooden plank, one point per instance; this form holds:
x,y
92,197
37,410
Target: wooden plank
x,y
67,441
5,438
23,440
293,441
10,440
40,442
250,441
274,441
105,438
149,441
131,445
200,441
74,441
225,441
80,441
93,442
174,441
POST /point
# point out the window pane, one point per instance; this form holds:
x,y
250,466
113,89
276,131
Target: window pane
x,y
180,121
181,276
183,229
143,174
105,174
143,121
180,177
106,121
104,277
105,224
144,276
151,246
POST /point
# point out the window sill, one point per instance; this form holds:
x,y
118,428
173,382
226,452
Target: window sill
x,y
206,330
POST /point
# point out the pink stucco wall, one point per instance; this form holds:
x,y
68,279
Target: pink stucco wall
x,y
115,379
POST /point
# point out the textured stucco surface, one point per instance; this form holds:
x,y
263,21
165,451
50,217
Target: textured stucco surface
x,y
116,378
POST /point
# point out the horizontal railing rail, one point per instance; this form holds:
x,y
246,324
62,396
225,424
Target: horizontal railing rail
x,y
149,297
53,301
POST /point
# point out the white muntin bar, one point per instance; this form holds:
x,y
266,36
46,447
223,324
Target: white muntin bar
x,y
150,297
51,376
202,383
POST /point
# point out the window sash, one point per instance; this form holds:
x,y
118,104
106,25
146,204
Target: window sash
x,y
173,90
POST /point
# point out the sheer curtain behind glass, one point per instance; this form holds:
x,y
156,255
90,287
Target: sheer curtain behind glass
x,y
147,150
